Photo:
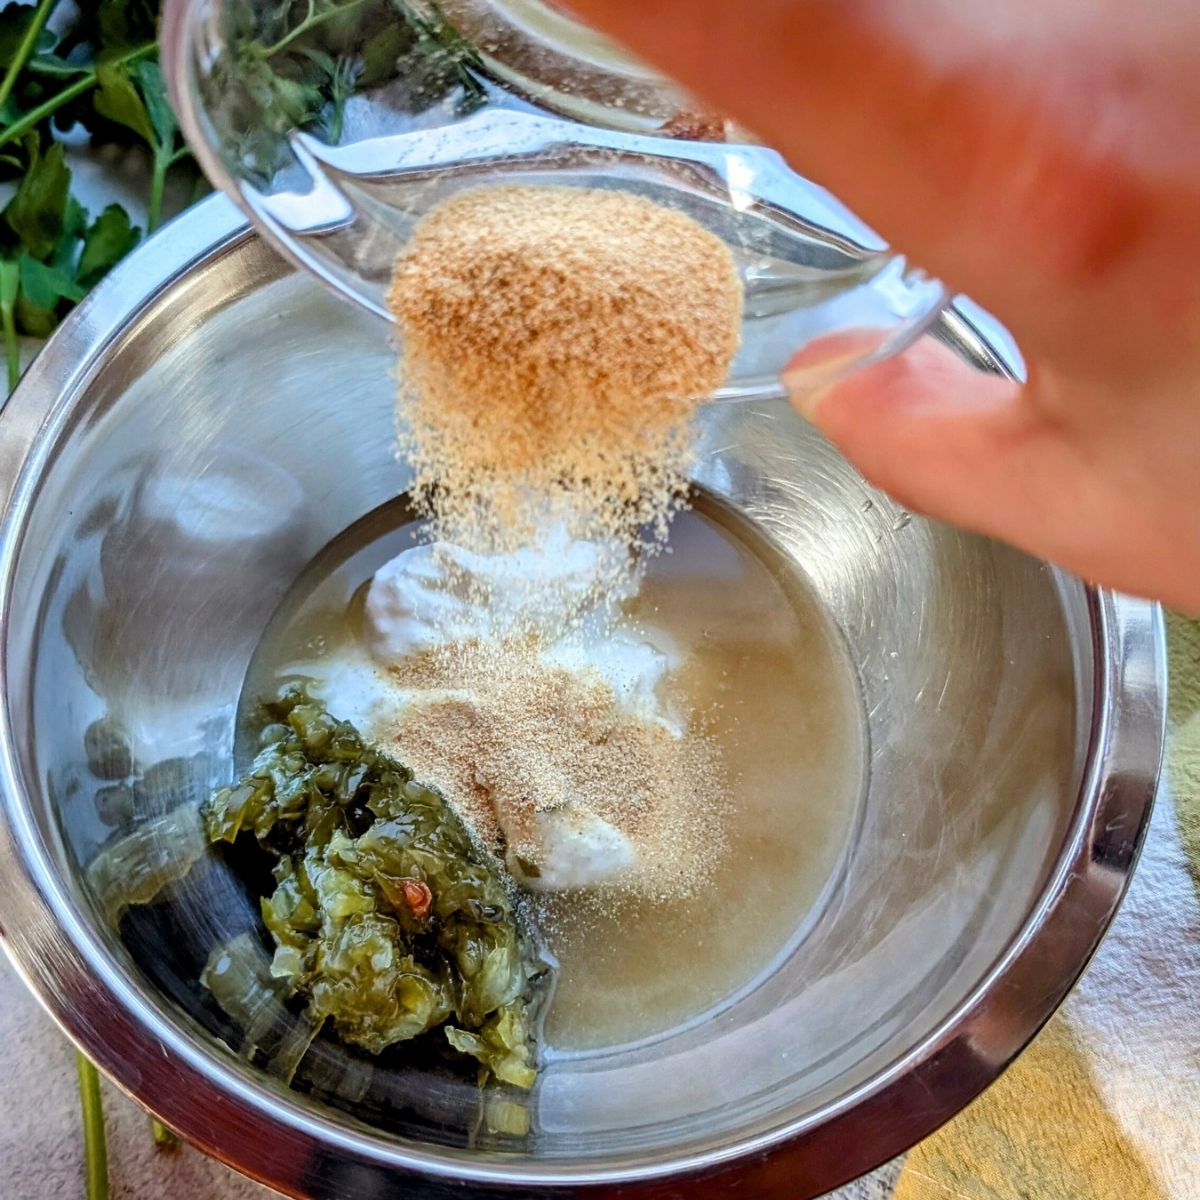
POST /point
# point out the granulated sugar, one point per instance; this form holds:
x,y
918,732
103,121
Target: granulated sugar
x,y
506,737
557,343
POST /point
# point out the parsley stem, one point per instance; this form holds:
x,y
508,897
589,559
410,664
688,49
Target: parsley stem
x,y
9,286
26,48
158,182
311,21
95,1150
30,119
164,159
45,109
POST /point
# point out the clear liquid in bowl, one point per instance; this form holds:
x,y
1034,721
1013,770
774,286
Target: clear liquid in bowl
x,y
759,657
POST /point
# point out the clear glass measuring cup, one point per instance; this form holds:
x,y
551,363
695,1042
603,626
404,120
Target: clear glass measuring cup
x,y
336,124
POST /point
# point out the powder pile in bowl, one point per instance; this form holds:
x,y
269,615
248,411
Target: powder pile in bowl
x,y
515,741
557,343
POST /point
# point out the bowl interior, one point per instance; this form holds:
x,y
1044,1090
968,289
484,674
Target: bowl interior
x,y
245,419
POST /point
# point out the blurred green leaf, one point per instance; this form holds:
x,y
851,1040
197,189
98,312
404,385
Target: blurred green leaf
x,y
75,220
110,237
14,26
42,288
33,321
119,100
148,76
43,285
37,210
52,64
116,25
381,54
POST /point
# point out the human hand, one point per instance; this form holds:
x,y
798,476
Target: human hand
x,y
1045,159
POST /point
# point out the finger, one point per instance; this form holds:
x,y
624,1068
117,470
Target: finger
x,y
1040,157
938,436
979,451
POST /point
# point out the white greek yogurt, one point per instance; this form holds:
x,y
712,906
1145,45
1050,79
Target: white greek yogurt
x,y
436,595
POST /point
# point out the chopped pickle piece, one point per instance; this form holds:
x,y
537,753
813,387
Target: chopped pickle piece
x,y
387,918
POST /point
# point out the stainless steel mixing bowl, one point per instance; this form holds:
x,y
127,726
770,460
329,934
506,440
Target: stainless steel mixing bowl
x,y
201,426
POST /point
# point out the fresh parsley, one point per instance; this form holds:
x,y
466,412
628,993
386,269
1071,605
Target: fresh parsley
x,y
97,68
295,64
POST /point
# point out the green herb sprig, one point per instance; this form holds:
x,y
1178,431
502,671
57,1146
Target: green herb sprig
x,y
98,68
295,64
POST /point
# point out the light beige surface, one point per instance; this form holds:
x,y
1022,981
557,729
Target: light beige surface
x,y
41,1138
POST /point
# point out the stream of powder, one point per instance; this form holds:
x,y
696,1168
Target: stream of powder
x,y
557,343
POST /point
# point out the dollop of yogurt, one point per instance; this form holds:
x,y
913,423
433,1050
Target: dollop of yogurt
x,y
576,849
436,595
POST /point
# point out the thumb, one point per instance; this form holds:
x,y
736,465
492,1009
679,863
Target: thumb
x,y
948,441
1044,466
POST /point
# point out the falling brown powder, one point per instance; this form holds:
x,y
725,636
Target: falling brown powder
x,y
557,342
507,737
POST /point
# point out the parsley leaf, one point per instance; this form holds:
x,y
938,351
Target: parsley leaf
x,y
37,210
75,220
109,27
295,64
44,285
118,100
19,19
93,67
110,237
153,91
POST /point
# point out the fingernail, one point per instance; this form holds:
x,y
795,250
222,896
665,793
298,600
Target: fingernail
x,y
807,390
809,384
